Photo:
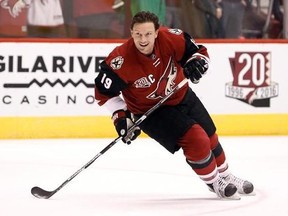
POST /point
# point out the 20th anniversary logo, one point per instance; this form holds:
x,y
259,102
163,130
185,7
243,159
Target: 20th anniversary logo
x,y
252,83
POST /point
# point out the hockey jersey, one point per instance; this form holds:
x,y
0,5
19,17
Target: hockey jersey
x,y
144,80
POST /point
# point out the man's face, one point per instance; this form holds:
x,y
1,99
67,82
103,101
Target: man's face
x,y
144,35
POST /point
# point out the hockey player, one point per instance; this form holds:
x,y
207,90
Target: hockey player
x,y
144,69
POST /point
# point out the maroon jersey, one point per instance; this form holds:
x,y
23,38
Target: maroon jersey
x,y
144,80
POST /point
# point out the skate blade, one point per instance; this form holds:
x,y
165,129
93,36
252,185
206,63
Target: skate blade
x,y
236,196
250,194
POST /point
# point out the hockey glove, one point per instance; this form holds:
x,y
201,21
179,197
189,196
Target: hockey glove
x,y
122,122
195,67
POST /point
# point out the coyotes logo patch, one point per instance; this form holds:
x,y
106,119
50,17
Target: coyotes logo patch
x,y
166,82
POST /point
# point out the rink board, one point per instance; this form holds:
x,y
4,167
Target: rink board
x,y
101,126
47,92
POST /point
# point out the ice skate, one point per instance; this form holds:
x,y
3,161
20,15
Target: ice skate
x,y
224,190
244,187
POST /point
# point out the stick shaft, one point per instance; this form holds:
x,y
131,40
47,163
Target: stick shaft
x,y
137,123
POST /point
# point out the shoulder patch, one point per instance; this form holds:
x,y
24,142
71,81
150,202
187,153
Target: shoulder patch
x,y
117,62
175,31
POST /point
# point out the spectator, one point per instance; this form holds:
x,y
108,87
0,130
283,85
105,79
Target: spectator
x,y
95,19
214,18
133,6
45,19
12,22
157,7
201,18
276,11
233,16
173,14
117,4
277,14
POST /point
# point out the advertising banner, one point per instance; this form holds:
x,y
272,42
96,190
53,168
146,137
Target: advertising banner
x,y
45,84
246,78
49,79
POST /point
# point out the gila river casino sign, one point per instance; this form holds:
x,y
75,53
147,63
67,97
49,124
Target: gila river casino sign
x,y
252,82
47,83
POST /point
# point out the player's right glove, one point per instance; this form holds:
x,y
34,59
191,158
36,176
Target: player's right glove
x,y
122,122
195,67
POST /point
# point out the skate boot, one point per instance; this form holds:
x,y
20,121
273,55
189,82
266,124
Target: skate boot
x,y
224,190
243,186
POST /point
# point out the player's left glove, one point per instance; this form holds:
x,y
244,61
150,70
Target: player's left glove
x,y
122,122
195,67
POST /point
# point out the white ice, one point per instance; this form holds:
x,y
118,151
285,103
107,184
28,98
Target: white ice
x,y
141,179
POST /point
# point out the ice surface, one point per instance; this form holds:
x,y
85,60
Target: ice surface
x,y
141,179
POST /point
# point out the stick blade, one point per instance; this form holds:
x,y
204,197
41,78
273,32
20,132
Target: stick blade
x,y
41,193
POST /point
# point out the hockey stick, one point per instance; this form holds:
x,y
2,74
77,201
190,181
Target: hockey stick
x,y
44,194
